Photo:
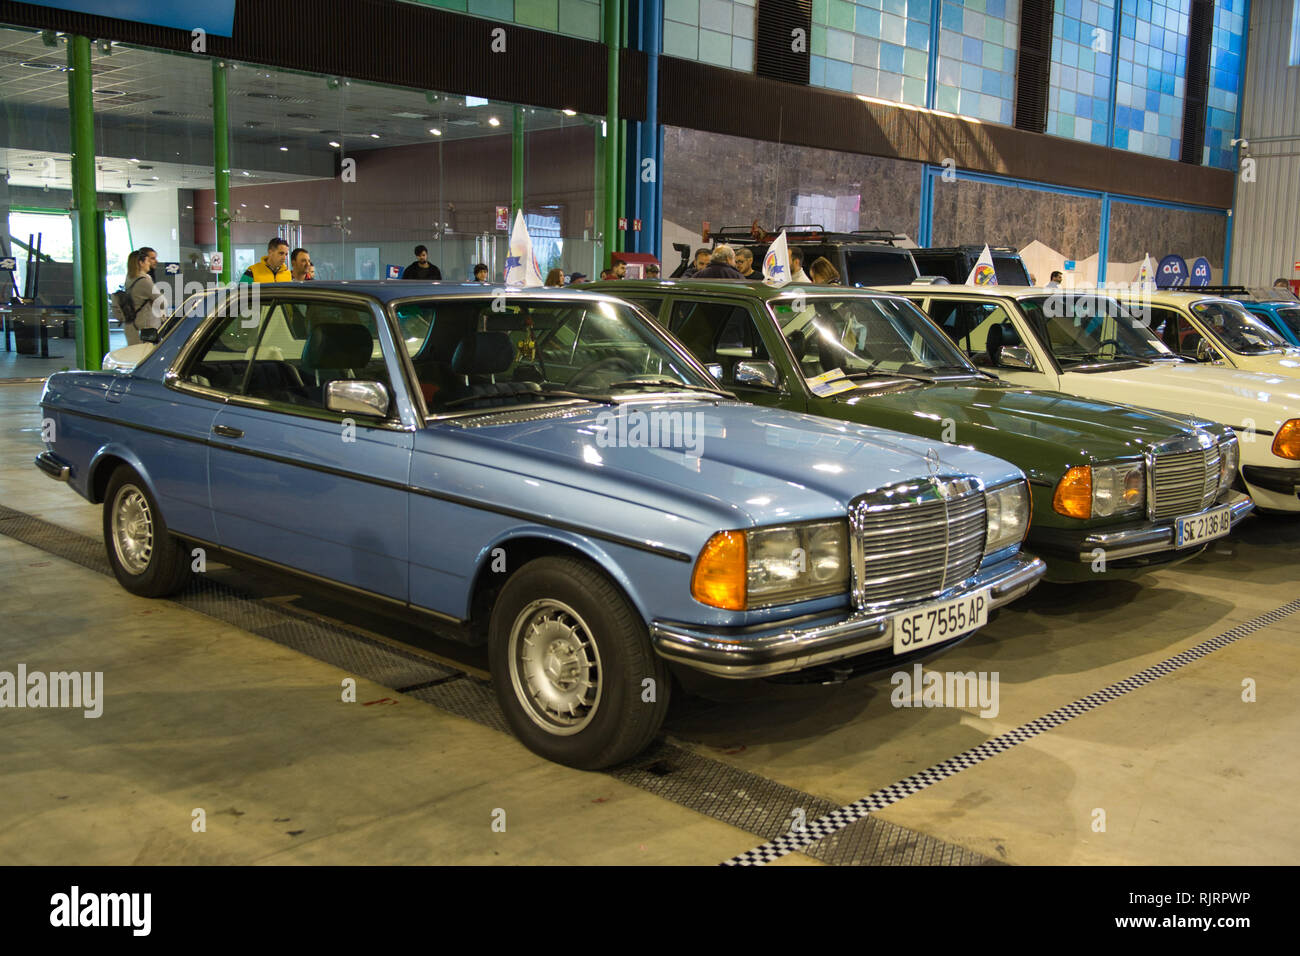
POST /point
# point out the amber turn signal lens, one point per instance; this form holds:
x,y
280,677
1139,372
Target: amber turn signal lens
x,y
1073,496
720,572
1286,444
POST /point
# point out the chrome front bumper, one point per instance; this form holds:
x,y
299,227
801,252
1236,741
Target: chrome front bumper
x,y
53,465
727,652
1118,545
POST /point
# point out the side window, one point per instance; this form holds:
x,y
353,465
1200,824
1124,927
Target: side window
x,y
647,304
306,345
718,334
1174,331
984,331
221,362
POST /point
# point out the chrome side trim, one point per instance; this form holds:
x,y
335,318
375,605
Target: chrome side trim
x,y
723,653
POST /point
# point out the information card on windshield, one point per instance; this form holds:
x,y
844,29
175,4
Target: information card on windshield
x,y
830,383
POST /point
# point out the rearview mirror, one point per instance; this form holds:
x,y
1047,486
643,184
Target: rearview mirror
x,y
355,397
149,335
715,370
757,374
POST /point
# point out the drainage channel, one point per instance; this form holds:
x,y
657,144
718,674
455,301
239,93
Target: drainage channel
x,y
745,800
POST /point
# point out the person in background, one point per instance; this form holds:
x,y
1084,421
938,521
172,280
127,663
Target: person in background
x,y
1055,281
147,302
300,263
652,271
823,273
481,272
745,264
606,275
422,268
555,279
577,278
273,267
796,266
1282,290
722,265
702,259
618,270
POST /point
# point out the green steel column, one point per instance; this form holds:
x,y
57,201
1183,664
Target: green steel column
x,y
221,165
517,165
613,36
88,252
622,182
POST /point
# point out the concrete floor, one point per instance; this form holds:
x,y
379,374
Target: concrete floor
x,y
200,714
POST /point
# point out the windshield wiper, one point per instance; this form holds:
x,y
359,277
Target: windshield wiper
x,y
881,373
669,383
527,397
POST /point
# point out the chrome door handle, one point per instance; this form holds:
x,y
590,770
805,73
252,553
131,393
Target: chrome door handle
x,y
225,431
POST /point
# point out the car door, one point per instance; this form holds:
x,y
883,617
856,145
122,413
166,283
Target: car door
x,y
995,335
296,483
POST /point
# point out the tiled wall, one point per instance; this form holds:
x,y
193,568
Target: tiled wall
x,y
1082,48
1150,80
1227,48
717,32
976,70
575,18
875,48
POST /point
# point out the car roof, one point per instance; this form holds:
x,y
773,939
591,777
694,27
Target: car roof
x,y
387,290
757,290
1012,291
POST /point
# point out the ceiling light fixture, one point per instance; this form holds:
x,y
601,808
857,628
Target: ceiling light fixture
x,y
374,136
493,121
435,131
334,143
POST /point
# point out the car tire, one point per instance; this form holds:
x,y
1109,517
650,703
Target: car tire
x,y
146,559
570,660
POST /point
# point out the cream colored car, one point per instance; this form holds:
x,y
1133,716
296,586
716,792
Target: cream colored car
x,y
1084,344
1215,331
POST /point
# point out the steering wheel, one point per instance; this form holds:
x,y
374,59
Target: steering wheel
x,y
609,363
1105,342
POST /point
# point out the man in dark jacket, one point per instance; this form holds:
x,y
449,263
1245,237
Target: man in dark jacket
x,y
422,268
722,265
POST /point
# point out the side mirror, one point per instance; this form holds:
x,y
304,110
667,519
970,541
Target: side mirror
x,y
356,397
1205,352
756,374
149,335
1015,356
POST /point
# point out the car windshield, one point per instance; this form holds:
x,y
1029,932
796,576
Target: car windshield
x,y
1291,318
1080,328
1237,329
867,335
494,351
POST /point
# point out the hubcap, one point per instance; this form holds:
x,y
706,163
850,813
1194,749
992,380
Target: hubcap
x,y
555,667
132,529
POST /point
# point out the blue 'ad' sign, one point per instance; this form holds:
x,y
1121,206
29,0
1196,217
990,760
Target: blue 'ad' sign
x,y
1201,271
171,268
1171,272
8,264
212,16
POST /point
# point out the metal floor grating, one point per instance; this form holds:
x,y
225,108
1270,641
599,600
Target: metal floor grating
x,y
736,797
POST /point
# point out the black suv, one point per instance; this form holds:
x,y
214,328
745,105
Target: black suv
x,y
867,257
954,263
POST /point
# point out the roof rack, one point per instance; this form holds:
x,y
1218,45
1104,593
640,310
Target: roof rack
x,y
1223,290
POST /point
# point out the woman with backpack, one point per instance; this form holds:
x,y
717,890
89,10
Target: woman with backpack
x,y
139,307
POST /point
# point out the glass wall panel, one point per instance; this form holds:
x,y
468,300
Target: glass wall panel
x,y
1227,48
1151,73
1083,47
360,174
575,18
976,70
717,32
876,48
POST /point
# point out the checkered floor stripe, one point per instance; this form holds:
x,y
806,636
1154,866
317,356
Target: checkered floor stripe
x,y
837,820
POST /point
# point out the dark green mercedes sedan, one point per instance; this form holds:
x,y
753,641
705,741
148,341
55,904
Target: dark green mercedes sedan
x,y
1116,489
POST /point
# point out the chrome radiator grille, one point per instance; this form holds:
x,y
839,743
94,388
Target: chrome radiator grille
x,y
1184,483
914,540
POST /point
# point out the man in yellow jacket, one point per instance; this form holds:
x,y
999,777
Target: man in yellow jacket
x,y
273,267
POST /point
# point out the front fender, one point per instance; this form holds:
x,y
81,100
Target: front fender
x,y
602,554
109,456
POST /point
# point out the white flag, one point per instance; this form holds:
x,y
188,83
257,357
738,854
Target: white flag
x,y
521,267
776,264
1146,277
983,273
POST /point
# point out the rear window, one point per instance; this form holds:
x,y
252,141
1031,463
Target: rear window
x,y
872,268
1010,270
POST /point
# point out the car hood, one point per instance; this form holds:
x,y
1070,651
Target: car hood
x,y
1231,396
1004,419
1287,364
747,465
